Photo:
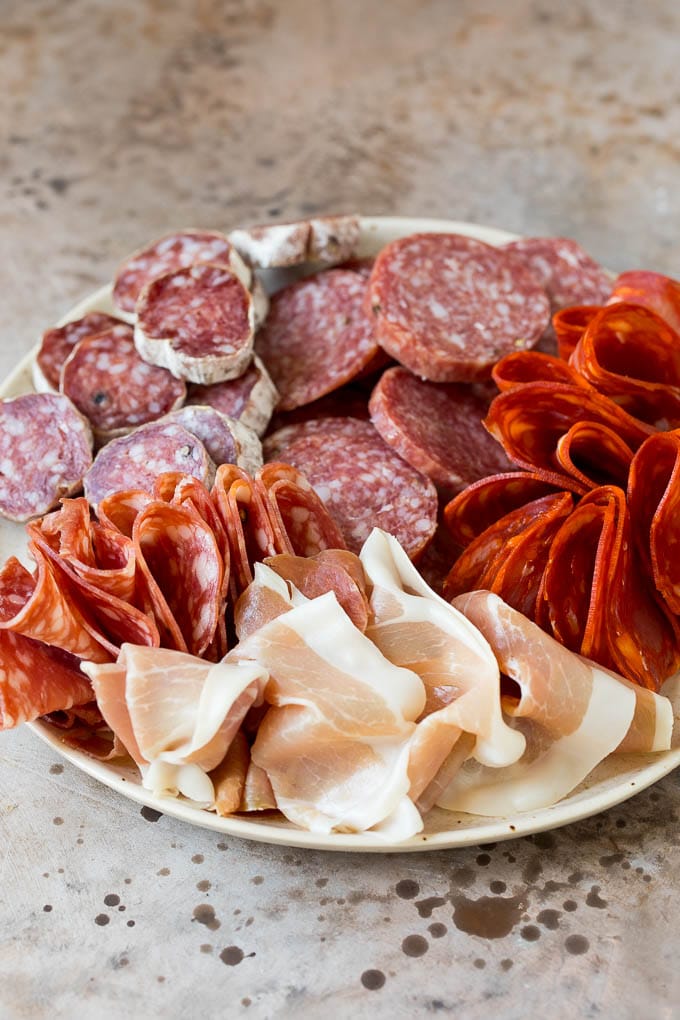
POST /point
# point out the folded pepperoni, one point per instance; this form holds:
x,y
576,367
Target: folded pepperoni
x,y
247,524
594,455
36,679
569,325
653,290
654,503
533,366
57,344
632,355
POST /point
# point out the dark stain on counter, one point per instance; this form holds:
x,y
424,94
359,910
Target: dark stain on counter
x,y
577,945
150,815
407,889
205,914
56,770
373,980
489,917
415,945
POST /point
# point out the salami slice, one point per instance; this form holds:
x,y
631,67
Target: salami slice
x,y
247,524
227,441
45,450
56,344
197,322
437,428
114,388
37,679
569,275
118,510
250,399
328,239
329,571
317,336
653,290
135,461
362,481
448,306
167,255
300,519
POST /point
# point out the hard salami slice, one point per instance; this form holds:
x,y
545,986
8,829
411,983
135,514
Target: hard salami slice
x,y
135,461
362,481
197,322
37,679
56,344
569,275
114,388
299,517
448,306
437,428
170,253
227,440
317,336
45,450
251,398
328,239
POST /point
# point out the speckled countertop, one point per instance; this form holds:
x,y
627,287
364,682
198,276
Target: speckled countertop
x,y
122,120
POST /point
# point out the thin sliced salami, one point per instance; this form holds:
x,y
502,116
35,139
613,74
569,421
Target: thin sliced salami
x,y
135,461
37,679
361,480
297,513
437,428
56,344
568,273
317,336
332,570
251,398
170,253
227,441
114,388
448,307
246,522
328,239
45,450
197,322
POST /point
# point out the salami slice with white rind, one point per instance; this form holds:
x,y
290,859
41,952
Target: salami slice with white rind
x,y
437,428
133,462
114,388
364,484
317,336
56,345
45,450
448,307
227,440
250,399
568,273
198,323
327,239
170,253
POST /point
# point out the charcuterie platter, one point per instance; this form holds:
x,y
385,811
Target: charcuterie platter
x,y
365,453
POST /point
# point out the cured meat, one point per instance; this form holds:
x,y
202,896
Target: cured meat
x,y
534,366
247,524
328,239
265,599
299,517
198,323
593,455
227,440
135,461
654,505
167,255
361,480
109,383
570,324
448,306
332,570
229,778
349,401
570,276
659,293
317,336
36,679
118,510
56,344
437,429
631,354
45,450
565,736
250,399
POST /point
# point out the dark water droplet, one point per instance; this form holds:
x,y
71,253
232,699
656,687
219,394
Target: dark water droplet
x,y
373,980
206,948
60,871
593,899
232,956
576,944
646,878
222,846
609,859
464,876
425,907
205,914
530,933
552,886
257,879
570,905
121,908
128,881
321,883
506,964
407,889
483,860
532,871
479,963
160,979
415,945
47,908
203,885
150,815
102,919
131,924
626,866
56,770
544,840
246,1001
498,887
549,919
164,872
111,900
437,930
57,821
80,841
489,917
198,858
509,857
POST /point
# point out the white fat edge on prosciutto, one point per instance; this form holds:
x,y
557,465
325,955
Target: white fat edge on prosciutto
x,y
572,713
176,714
336,741
415,628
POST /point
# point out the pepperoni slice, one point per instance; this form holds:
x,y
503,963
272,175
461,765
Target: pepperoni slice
x,y
570,325
534,366
247,524
659,293
654,503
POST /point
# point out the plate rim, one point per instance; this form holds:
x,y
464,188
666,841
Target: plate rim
x,y
573,808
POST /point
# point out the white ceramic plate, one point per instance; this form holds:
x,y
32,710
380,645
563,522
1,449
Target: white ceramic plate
x,y
615,780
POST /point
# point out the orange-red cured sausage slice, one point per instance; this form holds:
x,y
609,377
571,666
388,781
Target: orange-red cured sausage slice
x,y
653,290
570,324
594,454
533,366
247,524
654,502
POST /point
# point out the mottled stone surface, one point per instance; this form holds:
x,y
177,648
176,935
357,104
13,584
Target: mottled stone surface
x,y
120,121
